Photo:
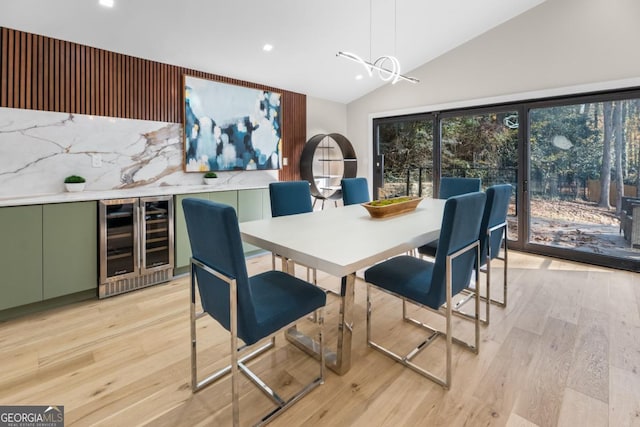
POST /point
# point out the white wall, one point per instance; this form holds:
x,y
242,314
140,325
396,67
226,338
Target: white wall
x,y
559,47
325,117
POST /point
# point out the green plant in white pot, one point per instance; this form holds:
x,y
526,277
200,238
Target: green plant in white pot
x,y
74,183
210,178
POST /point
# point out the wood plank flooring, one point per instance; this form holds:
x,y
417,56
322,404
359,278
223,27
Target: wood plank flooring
x,y
565,352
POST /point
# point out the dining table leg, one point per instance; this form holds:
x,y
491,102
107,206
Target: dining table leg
x,y
338,361
342,362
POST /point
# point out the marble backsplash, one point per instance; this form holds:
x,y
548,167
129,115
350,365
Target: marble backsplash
x,y
38,149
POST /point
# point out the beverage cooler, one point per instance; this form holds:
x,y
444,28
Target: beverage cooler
x,y
136,243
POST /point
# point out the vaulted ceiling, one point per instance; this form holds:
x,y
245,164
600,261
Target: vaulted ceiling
x,y
227,37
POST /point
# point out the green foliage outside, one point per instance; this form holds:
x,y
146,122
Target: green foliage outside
x,y
472,146
565,146
480,146
406,146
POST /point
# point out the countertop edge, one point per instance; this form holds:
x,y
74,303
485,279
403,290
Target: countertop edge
x,y
89,195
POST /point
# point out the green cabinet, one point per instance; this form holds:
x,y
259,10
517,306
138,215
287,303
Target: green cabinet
x,y
69,245
226,197
252,205
47,251
180,236
20,256
249,204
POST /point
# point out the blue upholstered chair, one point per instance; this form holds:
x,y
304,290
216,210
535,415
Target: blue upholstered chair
x,y
432,284
290,198
250,308
451,186
493,231
354,191
454,186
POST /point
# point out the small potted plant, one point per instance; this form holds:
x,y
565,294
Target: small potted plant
x,y
74,183
210,178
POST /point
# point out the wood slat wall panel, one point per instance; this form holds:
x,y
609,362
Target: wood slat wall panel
x,y
10,67
24,54
42,73
56,76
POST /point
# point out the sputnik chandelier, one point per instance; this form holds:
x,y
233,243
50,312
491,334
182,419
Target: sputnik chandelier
x,y
387,66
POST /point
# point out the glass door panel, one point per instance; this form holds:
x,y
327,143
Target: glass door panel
x,y
584,169
121,245
404,149
483,145
157,246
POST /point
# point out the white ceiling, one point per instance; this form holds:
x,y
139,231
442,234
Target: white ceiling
x,y
226,37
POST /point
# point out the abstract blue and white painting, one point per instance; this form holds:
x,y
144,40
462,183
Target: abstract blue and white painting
x,y
229,127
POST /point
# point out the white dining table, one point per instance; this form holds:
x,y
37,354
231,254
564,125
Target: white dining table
x,y
340,241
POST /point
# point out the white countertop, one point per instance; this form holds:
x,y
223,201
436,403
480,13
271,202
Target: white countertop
x,y
88,195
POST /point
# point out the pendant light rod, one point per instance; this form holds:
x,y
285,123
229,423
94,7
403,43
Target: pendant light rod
x,y
386,74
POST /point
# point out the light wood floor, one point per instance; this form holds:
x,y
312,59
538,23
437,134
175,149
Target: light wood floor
x,y
565,352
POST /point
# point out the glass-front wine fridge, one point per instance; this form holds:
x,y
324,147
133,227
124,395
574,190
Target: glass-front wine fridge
x,y
136,243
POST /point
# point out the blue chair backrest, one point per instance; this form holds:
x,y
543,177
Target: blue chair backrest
x,y
495,212
290,198
215,241
460,227
452,186
354,191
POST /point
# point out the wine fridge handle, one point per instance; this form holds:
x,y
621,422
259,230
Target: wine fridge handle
x,y
139,237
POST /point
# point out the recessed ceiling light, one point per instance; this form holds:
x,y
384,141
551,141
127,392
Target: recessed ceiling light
x,y
359,77
106,3
267,47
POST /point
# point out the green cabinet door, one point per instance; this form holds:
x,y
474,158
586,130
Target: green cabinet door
x,y
251,206
266,204
20,255
70,248
227,197
180,235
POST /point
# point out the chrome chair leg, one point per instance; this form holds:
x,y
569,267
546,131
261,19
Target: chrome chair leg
x,y
369,314
448,337
487,269
235,386
238,364
506,265
406,360
434,333
505,261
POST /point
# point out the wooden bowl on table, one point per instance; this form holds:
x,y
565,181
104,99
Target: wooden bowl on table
x,y
390,207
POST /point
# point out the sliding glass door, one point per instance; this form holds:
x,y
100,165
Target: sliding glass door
x,y
573,162
584,162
